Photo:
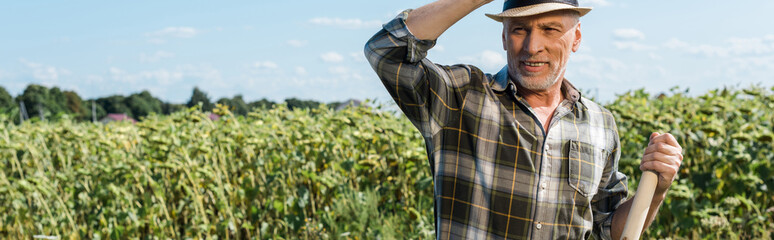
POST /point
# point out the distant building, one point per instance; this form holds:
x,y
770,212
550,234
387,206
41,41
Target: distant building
x,y
117,117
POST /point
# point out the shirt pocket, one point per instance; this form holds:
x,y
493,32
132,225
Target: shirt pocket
x,y
585,167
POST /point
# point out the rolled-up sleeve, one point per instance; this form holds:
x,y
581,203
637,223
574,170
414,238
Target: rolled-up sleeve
x,y
610,195
423,90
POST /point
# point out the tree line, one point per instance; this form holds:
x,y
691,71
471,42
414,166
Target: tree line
x,y
41,102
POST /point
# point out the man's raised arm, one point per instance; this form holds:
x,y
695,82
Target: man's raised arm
x,y
398,53
430,21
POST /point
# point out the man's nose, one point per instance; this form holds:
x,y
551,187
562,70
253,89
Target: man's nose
x,y
533,44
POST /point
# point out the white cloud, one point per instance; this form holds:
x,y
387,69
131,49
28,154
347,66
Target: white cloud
x,y
344,73
94,79
628,34
733,47
357,56
760,63
345,23
632,46
43,72
704,49
297,43
487,60
339,70
437,49
750,45
178,32
492,58
164,82
120,75
609,76
266,65
599,68
157,41
164,76
332,57
155,57
300,70
161,36
160,76
600,3
584,49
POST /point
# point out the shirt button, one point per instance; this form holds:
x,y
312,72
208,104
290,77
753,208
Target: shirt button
x,y
543,185
539,226
548,148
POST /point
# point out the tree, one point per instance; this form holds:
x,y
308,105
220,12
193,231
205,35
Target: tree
x,y
99,111
6,100
114,104
56,102
142,104
199,97
41,101
294,103
261,104
169,108
239,105
236,104
224,101
75,105
33,96
8,106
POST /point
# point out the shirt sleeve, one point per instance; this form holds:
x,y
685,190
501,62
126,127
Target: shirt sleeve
x,y
424,91
610,195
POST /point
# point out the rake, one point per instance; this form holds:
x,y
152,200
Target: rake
x,y
639,210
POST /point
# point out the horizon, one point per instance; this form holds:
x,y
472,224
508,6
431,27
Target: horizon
x,y
213,100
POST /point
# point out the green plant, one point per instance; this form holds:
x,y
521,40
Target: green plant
x,y
356,173
725,182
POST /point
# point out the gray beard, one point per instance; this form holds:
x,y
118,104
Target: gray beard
x,y
540,85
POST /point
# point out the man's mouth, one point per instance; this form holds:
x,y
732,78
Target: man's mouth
x,y
534,66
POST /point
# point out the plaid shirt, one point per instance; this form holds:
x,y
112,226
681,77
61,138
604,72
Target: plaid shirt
x,y
497,174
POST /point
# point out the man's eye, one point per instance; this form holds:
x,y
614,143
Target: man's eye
x,y
518,29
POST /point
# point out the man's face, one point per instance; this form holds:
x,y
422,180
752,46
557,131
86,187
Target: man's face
x,y
539,46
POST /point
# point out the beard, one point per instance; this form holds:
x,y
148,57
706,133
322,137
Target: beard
x,y
537,83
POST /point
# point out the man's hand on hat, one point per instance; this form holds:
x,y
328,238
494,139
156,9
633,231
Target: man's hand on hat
x,y
664,156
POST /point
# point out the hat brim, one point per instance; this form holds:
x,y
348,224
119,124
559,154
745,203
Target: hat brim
x,y
537,9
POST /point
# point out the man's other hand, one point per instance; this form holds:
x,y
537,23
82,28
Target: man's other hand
x,y
664,156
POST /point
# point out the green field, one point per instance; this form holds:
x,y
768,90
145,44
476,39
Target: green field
x,y
358,173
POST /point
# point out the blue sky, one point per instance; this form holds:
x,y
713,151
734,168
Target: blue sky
x,y
313,49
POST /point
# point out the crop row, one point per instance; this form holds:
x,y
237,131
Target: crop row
x,y
355,173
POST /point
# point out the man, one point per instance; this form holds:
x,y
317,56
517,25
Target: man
x,y
519,154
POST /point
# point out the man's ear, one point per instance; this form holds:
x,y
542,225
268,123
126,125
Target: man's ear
x,y
576,43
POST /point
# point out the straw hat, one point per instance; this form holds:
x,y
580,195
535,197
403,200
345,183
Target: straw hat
x,y
523,8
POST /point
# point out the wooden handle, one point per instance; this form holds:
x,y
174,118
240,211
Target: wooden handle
x,y
640,206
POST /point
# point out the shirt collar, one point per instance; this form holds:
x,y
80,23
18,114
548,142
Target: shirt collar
x,y
502,83
500,80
